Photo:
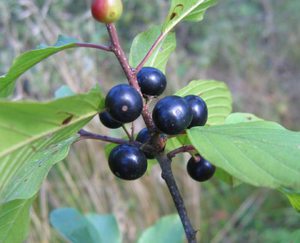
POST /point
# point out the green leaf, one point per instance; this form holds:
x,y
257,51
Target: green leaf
x,y
166,229
14,220
34,136
90,228
241,117
143,42
106,226
259,153
294,198
74,226
186,10
28,59
216,95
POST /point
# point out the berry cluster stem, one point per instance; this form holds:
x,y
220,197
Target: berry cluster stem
x,y
118,51
129,72
88,135
183,149
167,175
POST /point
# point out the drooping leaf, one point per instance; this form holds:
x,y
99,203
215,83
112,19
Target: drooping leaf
x,y
260,153
216,95
142,43
28,59
186,10
106,226
166,229
74,226
34,136
14,220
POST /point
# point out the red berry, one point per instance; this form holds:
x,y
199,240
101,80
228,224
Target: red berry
x,y
107,11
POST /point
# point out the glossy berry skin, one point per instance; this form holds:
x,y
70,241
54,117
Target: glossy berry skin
x,y
127,162
107,120
144,137
200,169
172,115
199,110
107,11
124,103
152,81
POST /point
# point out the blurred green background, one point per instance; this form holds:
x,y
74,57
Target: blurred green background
x,y
254,46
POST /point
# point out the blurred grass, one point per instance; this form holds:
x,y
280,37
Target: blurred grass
x,y
252,45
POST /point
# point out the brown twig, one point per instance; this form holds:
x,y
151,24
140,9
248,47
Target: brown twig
x,y
183,149
118,51
167,175
129,72
89,135
95,46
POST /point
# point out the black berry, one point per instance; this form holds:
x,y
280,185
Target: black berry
x,y
108,121
144,137
152,81
127,162
172,115
200,169
124,103
199,110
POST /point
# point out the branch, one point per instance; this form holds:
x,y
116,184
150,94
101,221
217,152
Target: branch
x,y
149,53
118,51
129,72
185,148
95,46
167,175
88,135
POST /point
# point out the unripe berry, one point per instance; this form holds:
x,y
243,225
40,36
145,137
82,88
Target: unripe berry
x,y
172,115
152,81
200,169
124,103
127,162
107,11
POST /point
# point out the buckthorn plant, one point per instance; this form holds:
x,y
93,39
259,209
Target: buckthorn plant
x,y
196,120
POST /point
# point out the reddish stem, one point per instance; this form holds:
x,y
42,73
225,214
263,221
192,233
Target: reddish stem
x,y
149,53
183,149
95,46
88,135
129,72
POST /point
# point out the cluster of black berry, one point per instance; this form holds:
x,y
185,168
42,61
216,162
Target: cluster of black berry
x,y
171,115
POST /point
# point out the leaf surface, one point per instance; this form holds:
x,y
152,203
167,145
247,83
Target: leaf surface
x,y
143,42
30,58
166,229
14,220
186,10
34,136
260,153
